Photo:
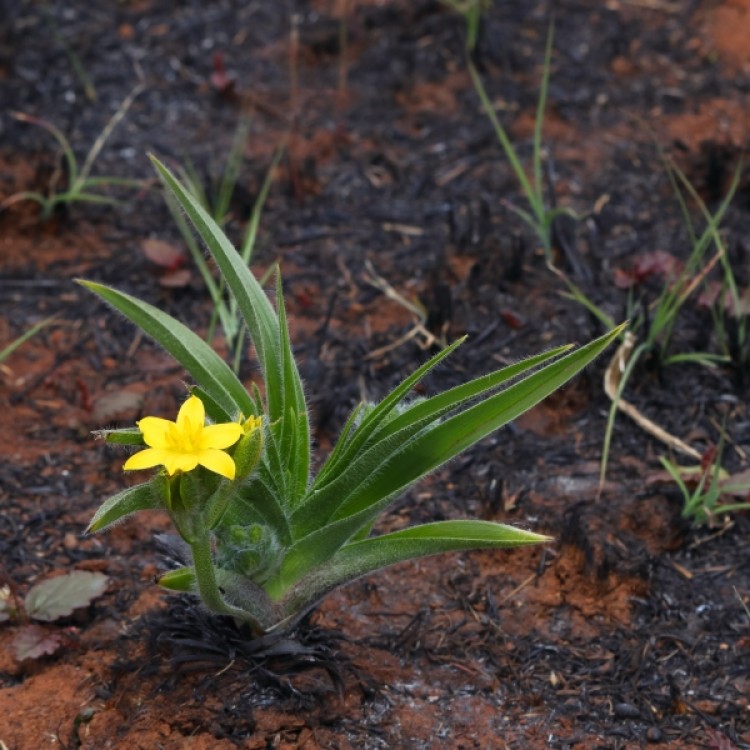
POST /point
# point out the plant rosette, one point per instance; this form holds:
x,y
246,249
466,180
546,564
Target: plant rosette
x,y
268,540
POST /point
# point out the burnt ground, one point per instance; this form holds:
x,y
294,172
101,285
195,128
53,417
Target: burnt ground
x,y
629,631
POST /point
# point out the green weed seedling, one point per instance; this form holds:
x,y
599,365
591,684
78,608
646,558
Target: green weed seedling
x,y
730,302
655,323
81,186
708,492
540,216
265,540
216,205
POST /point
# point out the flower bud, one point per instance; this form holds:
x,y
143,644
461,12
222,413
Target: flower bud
x,y
248,451
253,551
182,579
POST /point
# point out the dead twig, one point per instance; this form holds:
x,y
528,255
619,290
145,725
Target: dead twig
x,y
612,378
419,328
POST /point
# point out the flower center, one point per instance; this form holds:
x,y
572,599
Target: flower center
x,y
186,438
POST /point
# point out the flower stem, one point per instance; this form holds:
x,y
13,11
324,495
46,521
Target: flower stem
x,y
205,575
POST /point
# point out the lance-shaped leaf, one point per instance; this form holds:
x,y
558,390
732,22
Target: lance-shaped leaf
x,y
244,593
257,311
367,556
364,456
268,331
125,503
315,515
432,448
378,483
296,422
208,369
346,449
438,406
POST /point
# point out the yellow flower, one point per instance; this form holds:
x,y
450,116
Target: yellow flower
x,y
186,443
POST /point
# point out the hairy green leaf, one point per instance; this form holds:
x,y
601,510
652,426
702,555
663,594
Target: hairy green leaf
x,y
357,498
297,421
432,448
323,499
117,507
369,555
256,309
208,369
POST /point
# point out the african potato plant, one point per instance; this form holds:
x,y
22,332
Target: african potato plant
x,y
267,540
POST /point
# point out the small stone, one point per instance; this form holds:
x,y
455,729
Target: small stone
x,y
86,714
654,734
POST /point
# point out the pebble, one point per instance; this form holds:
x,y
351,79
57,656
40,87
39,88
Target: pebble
x,y
654,734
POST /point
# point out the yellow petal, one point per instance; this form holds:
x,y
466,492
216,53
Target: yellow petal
x,y
145,459
192,413
221,435
155,431
175,461
217,461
